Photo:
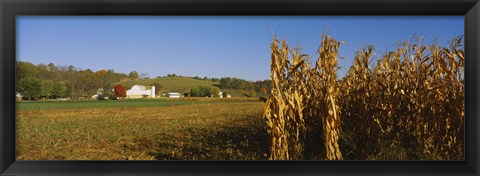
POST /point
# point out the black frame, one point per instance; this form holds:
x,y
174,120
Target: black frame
x,y
10,8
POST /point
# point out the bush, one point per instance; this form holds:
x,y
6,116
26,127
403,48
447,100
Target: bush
x,y
201,91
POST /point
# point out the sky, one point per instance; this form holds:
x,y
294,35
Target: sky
x,y
212,46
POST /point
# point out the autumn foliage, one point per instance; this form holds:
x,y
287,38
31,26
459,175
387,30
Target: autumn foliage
x,y
119,91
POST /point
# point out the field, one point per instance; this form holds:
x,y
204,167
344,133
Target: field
x,y
145,129
45,105
407,106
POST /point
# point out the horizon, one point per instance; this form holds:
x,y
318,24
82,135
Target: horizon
x,y
213,46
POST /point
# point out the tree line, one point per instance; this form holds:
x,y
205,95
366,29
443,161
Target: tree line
x,y
57,81
260,87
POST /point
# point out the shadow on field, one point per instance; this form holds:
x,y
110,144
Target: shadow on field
x,y
239,140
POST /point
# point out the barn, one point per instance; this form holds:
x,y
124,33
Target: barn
x,y
173,95
140,91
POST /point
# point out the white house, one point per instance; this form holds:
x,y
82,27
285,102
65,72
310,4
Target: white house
x,y
140,91
18,96
173,95
220,94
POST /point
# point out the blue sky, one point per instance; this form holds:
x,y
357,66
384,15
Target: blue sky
x,y
222,46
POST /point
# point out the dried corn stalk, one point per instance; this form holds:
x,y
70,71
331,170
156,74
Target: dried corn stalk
x,y
412,100
299,92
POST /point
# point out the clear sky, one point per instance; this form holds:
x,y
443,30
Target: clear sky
x,y
212,46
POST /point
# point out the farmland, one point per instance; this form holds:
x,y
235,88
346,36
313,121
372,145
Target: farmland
x,y
407,106
46,105
142,130
181,84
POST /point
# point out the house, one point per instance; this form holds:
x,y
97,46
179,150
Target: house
x,y
18,96
173,95
220,94
140,91
229,96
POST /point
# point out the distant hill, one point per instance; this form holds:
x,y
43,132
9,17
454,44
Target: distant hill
x,y
181,85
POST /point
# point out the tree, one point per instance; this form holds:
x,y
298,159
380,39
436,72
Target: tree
x,y
30,87
102,74
60,89
42,72
235,83
53,73
110,78
158,87
119,91
263,90
88,83
68,92
47,88
25,69
133,75
201,91
51,67
78,82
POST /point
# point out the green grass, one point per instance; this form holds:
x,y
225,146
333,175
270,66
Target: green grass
x,y
46,105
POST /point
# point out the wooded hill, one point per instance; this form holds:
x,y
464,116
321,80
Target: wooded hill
x,y
56,81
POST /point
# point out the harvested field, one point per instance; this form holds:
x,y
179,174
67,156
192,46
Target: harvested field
x,y
197,131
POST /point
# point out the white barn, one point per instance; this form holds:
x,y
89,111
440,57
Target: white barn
x,y
173,95
140,91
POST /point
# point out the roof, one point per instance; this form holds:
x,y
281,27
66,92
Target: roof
x,y
142,87
173,93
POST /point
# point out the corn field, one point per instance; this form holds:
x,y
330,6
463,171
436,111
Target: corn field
x,y
408,106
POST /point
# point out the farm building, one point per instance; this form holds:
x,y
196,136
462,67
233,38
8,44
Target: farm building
x,y
18,96
173,95
220,94
140,91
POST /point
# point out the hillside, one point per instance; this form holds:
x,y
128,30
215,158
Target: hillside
x,y
181,85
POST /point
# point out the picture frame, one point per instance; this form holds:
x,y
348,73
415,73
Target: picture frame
x,y
12,8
